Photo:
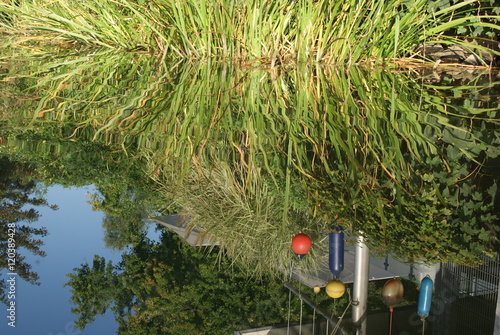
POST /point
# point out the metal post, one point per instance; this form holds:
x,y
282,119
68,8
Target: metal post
x,y
497,315
360,285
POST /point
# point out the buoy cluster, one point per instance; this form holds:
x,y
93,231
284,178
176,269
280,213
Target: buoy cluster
x,y
301,244
392,291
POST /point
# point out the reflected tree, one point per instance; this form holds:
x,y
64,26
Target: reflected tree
x,y
125,207
93,290
170,287
123,193
18,192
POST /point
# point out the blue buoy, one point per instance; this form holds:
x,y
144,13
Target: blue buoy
x,y
336,252
425,297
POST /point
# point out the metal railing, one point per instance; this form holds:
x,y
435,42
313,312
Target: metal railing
x,y
466,298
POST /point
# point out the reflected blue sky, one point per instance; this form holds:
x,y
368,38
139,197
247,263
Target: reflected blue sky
x,y
75,235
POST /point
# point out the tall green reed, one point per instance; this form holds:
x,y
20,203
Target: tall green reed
x,y
376,152
242,214
269,33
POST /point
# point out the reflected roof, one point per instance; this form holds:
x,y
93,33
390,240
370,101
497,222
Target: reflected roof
x,y
178,224
319,276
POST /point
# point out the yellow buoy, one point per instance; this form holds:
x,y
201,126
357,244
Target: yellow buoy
x,y
335,289
316,289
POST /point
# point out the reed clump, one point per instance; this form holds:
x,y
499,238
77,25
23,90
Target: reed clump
x,y
263,31
375,151
238,212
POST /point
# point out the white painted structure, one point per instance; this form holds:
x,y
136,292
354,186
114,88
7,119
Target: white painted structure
x,y
178,224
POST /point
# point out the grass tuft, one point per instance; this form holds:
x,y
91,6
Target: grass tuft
x,y
271,33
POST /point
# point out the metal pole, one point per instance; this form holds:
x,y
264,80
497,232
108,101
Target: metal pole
x,y
308,301
360,285
497,316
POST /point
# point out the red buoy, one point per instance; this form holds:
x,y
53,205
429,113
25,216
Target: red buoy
x,y
301,243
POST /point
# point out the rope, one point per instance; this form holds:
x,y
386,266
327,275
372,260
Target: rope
x,y
300,323
314,311
289,312
289,300
301,304
337,326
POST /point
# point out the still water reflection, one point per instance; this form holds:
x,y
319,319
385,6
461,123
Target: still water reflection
x,y
75,235
252,156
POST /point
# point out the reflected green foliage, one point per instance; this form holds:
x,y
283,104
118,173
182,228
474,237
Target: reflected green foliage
x,y
19,198
126,197
94,289
169,287
126,206
413,166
